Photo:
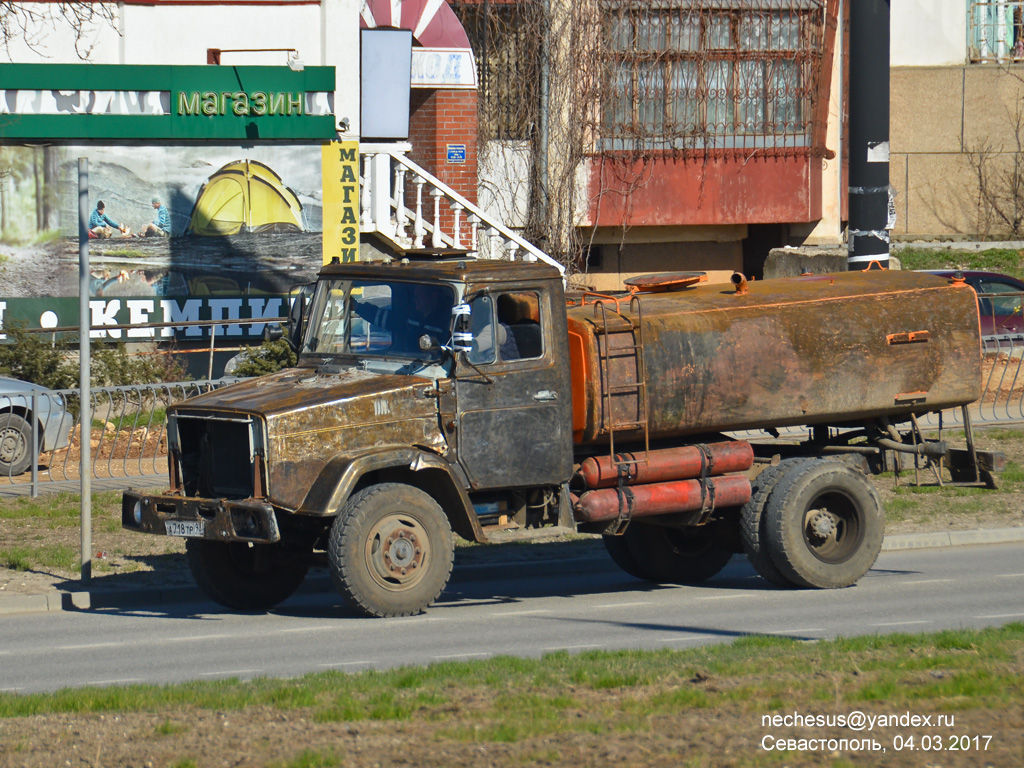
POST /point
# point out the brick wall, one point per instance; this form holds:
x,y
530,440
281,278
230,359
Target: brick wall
x,y
439,118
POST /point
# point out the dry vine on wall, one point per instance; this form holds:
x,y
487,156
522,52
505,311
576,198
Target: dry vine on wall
x,y
636,84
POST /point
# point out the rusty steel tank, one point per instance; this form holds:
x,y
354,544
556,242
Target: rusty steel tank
x,y
843,348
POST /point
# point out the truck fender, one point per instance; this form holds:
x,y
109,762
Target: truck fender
x,y
421,469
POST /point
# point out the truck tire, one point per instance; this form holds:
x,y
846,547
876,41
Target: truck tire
x,y
618,549
752,521
677,555
15,445
390,550
824,525
246,577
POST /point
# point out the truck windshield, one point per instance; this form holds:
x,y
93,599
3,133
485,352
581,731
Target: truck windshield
x,y
369,318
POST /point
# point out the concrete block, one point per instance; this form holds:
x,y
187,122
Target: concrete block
x,y
916,541
791,262
990,536
24,604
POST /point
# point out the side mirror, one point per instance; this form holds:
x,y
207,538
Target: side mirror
x,y
462,339
273,332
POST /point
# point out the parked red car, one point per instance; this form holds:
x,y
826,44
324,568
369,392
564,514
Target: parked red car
x,y
999,302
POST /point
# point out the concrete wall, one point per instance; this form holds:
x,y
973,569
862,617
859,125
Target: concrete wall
x,y
324,35
951,126
927,33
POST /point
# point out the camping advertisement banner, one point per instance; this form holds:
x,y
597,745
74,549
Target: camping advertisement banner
x,y
185,233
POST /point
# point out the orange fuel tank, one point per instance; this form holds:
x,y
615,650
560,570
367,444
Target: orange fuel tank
x,y
844,348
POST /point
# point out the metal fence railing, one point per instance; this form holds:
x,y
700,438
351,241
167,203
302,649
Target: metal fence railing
x,y
128,435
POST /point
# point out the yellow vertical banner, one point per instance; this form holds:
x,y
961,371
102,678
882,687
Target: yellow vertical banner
x,y
339,162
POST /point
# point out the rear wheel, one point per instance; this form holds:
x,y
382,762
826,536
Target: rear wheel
x,y
677,555
752,521
252,577
15,444
618,549
824,525
390,550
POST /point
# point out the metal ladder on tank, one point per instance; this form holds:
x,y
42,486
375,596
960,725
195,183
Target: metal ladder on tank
x,y
634,349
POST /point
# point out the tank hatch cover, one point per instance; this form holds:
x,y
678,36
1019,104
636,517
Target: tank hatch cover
x,y
664,281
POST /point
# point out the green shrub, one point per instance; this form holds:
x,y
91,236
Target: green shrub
x,y
53,363
268,357
35,358
112,366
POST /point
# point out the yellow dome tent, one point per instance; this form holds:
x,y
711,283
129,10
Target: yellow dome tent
x,y
245,196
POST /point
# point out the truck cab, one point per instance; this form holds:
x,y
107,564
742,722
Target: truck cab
x,y
490,336
433,393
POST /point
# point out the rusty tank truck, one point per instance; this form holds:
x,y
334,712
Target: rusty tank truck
x,y
471,396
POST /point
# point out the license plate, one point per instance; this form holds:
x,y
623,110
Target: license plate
x,y
187,528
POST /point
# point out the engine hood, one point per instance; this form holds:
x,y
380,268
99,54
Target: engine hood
x,y
313,418
297,389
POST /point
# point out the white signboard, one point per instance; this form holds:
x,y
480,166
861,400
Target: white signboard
x,y
443,68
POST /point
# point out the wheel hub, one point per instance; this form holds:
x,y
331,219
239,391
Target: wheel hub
x,y
822,523
11,446
396,550
402,551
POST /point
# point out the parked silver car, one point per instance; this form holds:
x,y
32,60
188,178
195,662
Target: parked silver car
x,y
22,407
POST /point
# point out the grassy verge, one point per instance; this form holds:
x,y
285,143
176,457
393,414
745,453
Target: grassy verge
x,y
44,532
690,707
1005,260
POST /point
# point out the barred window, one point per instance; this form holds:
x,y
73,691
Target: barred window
x,y
997,31
506,39
710,74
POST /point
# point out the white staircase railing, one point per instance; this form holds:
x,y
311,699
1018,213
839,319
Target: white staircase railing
x,y
394,204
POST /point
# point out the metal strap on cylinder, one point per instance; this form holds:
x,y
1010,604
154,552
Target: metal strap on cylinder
x,y
623,473
707,490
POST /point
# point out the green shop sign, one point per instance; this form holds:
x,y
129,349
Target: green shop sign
x,y
172,103
146,312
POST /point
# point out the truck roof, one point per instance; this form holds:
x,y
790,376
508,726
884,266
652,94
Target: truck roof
x,y
463,269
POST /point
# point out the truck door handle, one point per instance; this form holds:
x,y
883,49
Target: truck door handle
x,y
546,395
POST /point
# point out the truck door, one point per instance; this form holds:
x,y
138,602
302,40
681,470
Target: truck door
x,y
513,392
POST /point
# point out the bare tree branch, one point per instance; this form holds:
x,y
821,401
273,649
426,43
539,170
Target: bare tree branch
x,y
31,23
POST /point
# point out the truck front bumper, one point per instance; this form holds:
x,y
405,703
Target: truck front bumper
x,y
190,517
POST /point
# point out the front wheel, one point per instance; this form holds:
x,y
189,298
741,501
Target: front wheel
x,y
15,445
248,577
390,550
824,525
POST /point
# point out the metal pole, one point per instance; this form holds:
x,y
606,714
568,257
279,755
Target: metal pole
x,y
35,442
869,133
84,396
213,338
841,55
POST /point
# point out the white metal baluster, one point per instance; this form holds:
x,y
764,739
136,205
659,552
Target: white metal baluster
x,y
474,226
493,243
435,237
418,230
511,248
400,213
366,219
457,209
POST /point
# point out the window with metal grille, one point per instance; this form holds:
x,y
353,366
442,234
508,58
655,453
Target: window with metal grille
x,y
710,74
996,31
506,39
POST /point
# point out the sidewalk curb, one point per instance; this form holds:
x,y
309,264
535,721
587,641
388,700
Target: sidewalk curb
x,y
59,600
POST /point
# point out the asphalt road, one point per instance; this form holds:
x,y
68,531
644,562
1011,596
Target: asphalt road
x,y
575,604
